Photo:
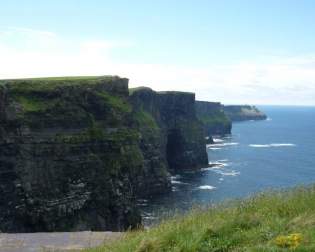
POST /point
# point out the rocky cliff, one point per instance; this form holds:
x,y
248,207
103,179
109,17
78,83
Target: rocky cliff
x,y
212,116
180,134
243,113
75,153
68,156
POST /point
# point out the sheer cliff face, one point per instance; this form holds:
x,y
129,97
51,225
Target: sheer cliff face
x,y
243,113
76,152
181,139
68,156
215,121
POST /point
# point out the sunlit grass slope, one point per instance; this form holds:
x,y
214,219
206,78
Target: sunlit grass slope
x,y
273,221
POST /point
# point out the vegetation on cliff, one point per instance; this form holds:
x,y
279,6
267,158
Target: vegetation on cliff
x,y
77,159
272,221
213,118
243,113
216,122
76,152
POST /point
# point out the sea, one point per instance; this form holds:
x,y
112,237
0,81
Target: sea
x,y
273,154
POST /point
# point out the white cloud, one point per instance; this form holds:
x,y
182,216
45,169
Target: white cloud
x,y
30,32
26,52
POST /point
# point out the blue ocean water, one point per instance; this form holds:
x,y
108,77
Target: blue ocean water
x,y
259,155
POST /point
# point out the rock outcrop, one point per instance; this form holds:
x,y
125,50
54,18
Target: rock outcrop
x,y
243,113
212,116
75,153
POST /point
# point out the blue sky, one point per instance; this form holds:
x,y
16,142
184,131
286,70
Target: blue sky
x,y
234,51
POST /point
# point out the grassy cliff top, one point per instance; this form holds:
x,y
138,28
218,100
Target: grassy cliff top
x,y
273,221
49,83
136,89
41,94
143,88
176,93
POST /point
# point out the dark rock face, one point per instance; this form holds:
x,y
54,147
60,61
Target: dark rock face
x,y
68,156
75,153
243,113
215,122
181,138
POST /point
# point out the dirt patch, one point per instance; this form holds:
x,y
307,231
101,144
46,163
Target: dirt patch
x,y
40,242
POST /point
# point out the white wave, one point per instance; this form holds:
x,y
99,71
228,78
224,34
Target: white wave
x,y
149,217
228,173
282,144
217,164
214,148
218,140
207,187
221,179
271,145
269,119
215,145
177,182
259,145
231,173
174,189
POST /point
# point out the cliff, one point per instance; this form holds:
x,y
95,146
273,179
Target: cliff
x,y
68,155
180,136
243,113
75,153
212,116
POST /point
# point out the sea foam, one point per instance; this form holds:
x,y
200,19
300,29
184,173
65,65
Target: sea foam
x,y
216,145
207,187
217,140
271,145
229,173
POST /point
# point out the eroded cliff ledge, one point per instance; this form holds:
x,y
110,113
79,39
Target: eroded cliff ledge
x,y
75,153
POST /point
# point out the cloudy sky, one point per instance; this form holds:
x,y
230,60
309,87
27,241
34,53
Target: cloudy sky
x,y
233,51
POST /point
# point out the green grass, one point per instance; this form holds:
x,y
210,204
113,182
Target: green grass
x,y
248,225
145,119
116,102
31,104
40,94
51,83
214,119
136,89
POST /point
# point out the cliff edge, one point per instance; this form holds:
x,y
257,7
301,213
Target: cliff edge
x,y
243,113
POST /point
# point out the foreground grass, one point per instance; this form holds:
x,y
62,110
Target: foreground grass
x,y
255,224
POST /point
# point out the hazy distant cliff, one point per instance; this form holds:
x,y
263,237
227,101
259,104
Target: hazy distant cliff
x,y
243,113
75,153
